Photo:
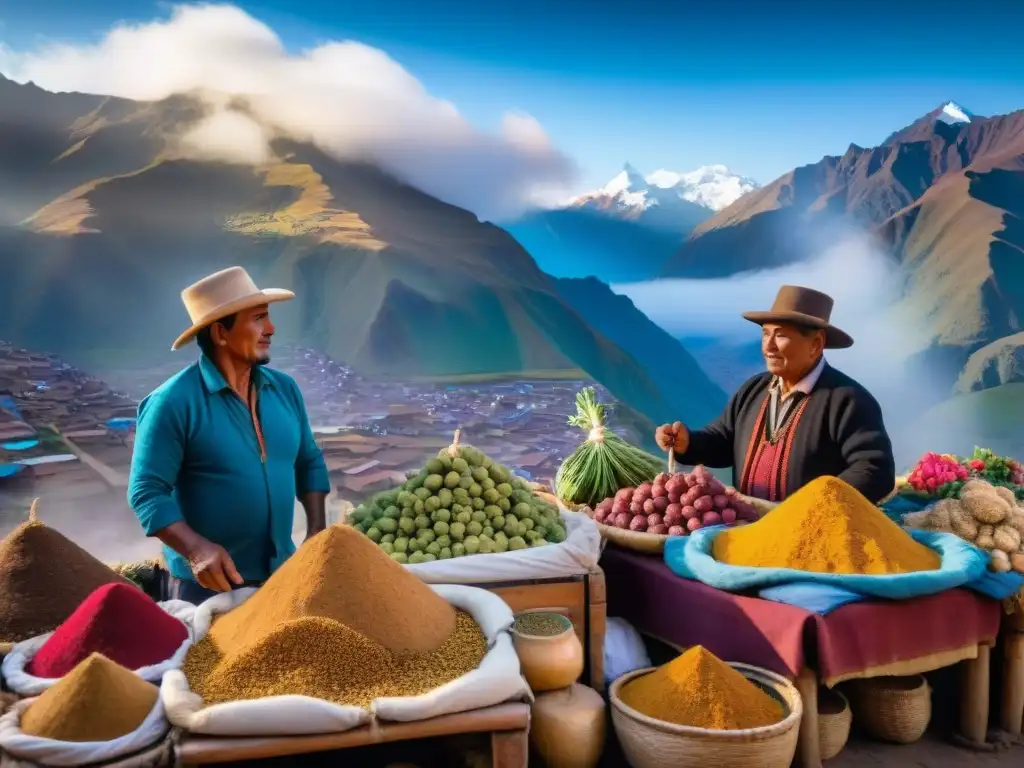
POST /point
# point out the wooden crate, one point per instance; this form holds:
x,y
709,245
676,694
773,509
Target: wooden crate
x,y
508,725
580,598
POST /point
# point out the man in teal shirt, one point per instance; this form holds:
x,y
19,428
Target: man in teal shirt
x,y
223,448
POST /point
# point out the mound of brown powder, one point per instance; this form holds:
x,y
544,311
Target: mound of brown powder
x,y
96,701
341,575
43,579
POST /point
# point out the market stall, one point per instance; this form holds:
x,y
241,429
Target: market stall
x,y
860,640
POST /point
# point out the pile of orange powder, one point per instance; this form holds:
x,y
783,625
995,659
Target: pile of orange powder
x,y
700,690
826,527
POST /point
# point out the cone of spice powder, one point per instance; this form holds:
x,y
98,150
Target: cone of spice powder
x,y
44,577
97,701
340,574
339,621
118,621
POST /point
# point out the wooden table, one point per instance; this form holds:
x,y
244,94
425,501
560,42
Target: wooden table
x,y
1012,711
508,724
974,703
580,598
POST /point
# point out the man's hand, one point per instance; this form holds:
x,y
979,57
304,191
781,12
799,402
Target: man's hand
x,y
213,567
675,436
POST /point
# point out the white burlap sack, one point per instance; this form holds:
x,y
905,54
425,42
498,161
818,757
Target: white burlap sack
x,y
578,554
24,684
59,753
496,680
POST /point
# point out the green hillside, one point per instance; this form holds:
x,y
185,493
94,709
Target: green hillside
x,y
389,279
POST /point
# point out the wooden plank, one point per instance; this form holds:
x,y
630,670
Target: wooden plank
x,y
1012,712
597,618
808,748
510,749
974,702
504,718
571,594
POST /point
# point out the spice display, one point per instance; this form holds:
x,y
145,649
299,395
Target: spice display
x,y
462,503
340,621
97,701
676,504
541,624
43,579
318,657
699,690
117,620
825,527
986,515
605,462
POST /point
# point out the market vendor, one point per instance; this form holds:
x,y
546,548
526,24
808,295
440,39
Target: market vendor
x,y
223,448
800,420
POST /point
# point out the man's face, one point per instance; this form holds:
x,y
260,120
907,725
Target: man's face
x,y
790,351
248,340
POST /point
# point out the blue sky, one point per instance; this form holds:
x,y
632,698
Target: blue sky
x,y
761,87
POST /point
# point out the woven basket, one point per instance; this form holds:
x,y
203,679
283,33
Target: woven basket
x,y
650,743
834,720
893,709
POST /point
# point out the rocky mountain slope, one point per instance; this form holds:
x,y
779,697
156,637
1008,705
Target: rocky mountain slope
x,y
945,196
628,229
104,222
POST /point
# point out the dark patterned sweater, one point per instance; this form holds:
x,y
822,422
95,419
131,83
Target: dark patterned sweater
x,y
840,433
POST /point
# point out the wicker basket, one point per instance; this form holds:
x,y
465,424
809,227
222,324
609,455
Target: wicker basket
x,y
893,709
650,743
834,720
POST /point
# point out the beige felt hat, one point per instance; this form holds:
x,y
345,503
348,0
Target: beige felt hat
x,y
806,307
221,294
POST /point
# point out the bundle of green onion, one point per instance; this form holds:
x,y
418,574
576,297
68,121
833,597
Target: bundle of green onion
x,y
605,462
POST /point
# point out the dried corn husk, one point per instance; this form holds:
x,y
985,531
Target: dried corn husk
x,y
1000,561
963,524
1007,539
985,506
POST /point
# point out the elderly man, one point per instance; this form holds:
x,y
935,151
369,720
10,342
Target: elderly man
x,y
799,421
223,448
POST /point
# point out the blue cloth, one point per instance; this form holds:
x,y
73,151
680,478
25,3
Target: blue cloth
x,y
19,445
197,459
900,505
998,586
816,598
10,470
690,557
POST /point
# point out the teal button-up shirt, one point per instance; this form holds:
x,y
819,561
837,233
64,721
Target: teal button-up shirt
x,y
197,458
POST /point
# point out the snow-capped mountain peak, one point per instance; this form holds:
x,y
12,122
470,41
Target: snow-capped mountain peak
x,y
712,186
953,113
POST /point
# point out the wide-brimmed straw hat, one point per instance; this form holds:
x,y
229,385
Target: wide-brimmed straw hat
x,y
805,307
221,294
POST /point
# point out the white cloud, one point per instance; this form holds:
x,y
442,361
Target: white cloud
x,y
352,100
867,286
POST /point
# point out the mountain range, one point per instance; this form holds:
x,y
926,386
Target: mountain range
x,y
944,196
628,229
103,220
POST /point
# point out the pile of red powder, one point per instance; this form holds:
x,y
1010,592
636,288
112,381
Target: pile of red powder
x,y
117,620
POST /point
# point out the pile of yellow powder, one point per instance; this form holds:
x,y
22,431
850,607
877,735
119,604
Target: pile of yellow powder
x,y
826,527
698,689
